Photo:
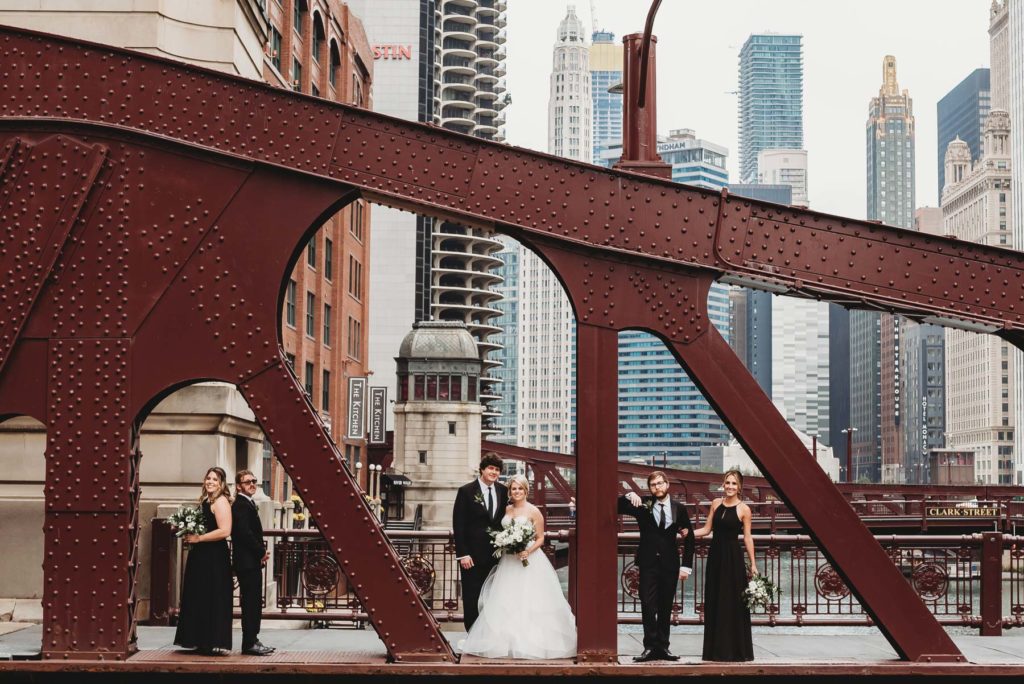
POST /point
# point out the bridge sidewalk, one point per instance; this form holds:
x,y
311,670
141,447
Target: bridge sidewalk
x,y
778,651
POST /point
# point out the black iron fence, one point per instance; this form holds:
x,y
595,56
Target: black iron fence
x,y
972,580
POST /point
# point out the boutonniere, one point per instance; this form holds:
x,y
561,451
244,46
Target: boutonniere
x,y
479,498
649,505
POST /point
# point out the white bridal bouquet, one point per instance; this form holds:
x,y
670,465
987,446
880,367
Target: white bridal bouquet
x,y
187,520
513,539
760,591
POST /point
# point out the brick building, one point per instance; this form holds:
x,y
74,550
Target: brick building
x,y
319,47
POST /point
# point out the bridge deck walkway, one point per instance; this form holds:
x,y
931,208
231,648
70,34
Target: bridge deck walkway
x,y
779,651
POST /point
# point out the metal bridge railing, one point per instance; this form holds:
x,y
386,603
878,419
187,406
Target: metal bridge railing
x,y
974,580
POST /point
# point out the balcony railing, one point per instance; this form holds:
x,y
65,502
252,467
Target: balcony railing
x,y
967,580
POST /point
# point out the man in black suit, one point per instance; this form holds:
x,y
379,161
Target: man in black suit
x,y
661,522
479,507
248,556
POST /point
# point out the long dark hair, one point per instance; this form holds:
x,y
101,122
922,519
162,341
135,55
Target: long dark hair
x,y
224,490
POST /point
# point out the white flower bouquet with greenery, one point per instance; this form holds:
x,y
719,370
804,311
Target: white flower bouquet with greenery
x,y
513,539
760,592
187,520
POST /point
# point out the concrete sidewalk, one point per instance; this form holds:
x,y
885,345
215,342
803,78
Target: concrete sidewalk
x,y
776,645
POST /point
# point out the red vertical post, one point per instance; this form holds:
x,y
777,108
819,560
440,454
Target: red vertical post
x,y
573,563
597,359
639,116
992,584
160,584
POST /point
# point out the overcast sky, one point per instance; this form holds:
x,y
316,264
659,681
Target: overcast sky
x,y
937,43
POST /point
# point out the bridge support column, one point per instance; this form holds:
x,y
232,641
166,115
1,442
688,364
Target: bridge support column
x,y
597,434
992,584
92,503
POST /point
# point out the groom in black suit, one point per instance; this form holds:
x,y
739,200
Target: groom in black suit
x,y
661,522
248,556
479,507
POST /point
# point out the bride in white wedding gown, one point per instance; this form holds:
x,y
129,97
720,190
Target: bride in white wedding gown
x,y
523,613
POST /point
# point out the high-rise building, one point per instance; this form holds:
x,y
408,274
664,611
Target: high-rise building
x,y
787,350
1007,29
538,321
506,423
569,103
961,114
999,54
875,364
977,205
606,108
442,63
785,167
663,417
771,89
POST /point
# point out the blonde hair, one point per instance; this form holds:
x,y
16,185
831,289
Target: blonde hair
x,y
519,480
224,490
739,480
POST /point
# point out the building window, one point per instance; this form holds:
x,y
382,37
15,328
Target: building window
x,y
327,324
310,314
355,338
311,252
325,391
316,91
268,455
318,38
296,74
309,378
332,75
451,428
356,226
355,278
289,307
275,48
298,13
328,259
357,91
423,457
290,358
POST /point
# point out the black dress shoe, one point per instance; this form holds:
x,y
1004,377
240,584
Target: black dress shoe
x,y
647,656
666,654
257,649
262,645
212,651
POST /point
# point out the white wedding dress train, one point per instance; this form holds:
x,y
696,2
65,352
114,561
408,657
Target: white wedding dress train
x,y
523,613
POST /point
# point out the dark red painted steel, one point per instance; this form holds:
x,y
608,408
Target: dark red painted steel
x,y
36,220
597,399
163,284
633,252
699,485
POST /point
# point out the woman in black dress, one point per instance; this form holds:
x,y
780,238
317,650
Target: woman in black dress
x,y
726,618
204,620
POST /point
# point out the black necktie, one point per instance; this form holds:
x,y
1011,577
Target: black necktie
x,y
661,521
490,501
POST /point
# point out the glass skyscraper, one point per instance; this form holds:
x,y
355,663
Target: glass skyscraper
x,y
771,98
605,72
962,113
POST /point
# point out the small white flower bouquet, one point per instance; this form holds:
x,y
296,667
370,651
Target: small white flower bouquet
x,y
760,592
187,520
513,539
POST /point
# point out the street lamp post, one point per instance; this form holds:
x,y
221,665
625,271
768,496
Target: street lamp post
x,y
849,452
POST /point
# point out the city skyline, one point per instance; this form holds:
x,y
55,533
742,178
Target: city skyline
x,y
837,83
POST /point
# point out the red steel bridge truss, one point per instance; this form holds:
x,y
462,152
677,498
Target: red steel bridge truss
x,y
151,211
